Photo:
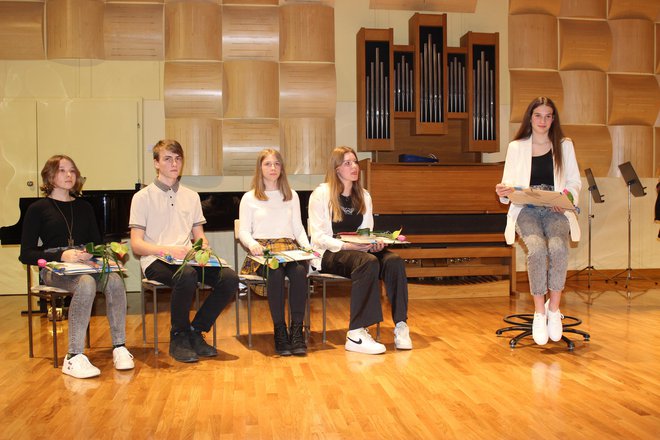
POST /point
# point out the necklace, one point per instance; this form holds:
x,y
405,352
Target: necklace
x,y
69,228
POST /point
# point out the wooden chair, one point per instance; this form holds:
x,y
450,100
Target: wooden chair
x,y
153,288
52,295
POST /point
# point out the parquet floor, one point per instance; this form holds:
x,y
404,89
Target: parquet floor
x,y
461,381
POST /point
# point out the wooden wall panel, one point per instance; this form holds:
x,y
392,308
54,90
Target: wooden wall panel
x,y
193,31
193,89
657,48
250,32
584,44
632,143
75,29
468,6
243,140
308,90
307,33
633,99
632,46
585,97
527,85
306,144
251,2
583,8
643,9
133,32
537,28
21,31
251,89
656,171
550,7
201,140
593,147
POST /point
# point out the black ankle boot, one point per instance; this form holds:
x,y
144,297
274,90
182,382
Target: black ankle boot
x,y
298,346
282,345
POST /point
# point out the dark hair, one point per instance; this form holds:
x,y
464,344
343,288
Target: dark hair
x,y
170,145
555,134
336,185
51,168
258,178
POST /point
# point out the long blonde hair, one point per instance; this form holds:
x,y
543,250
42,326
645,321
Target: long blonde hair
x,y
337,186
258,178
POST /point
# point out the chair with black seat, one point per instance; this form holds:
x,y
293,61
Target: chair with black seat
x,y
523,322
153,288
52,295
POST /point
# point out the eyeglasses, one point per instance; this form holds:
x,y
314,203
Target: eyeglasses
x,y
544,118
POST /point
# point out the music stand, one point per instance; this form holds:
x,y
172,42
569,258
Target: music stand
x,y
597,197
636,189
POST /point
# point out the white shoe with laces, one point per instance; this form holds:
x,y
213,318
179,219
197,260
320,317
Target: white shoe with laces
x,y
360,341
79,367
540,329
555,327
122,359
402,339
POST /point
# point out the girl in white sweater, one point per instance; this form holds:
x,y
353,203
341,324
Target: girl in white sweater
x,y
540,156
270,219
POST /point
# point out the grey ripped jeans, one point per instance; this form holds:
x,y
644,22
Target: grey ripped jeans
x,y
84,288
545,234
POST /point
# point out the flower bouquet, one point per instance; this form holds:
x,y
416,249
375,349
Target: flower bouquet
x,y
200,255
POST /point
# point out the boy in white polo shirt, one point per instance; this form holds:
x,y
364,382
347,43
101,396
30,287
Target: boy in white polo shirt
x,y
166,218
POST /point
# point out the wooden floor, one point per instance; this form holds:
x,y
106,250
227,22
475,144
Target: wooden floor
x,y
460,381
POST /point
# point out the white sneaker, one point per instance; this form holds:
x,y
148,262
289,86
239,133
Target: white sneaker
x,y
555,327
80,367
540,329
359,340
122,359
402,336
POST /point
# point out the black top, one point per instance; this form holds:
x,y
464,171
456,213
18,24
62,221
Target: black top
x,y
542,170
352,218
44,221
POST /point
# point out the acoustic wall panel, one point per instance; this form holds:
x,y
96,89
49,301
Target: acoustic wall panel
x,y
241,142
74,29
193,31
593,146
528,85
585,97
550,7
21,31
307,90
532,41
201,140
133,31
632,46
250,2
584,44
583,9
251,89
468,6
306,144
642,9
633,99
307,32
250,33
632,143
193,89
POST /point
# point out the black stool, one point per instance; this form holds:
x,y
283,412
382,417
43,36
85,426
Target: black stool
x,y
523,322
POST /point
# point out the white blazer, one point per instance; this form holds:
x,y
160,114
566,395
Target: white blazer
x,y
518,170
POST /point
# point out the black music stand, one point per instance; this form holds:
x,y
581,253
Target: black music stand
x,y
597,197
636,189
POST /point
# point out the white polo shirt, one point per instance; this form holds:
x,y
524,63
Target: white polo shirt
x,y
166,215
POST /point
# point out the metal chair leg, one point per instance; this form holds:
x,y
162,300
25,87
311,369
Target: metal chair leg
x,y
54,313
324,297
155,322
143,310
249,314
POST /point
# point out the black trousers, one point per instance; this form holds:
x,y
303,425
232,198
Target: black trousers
x,y
296,271
365,270
224,282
